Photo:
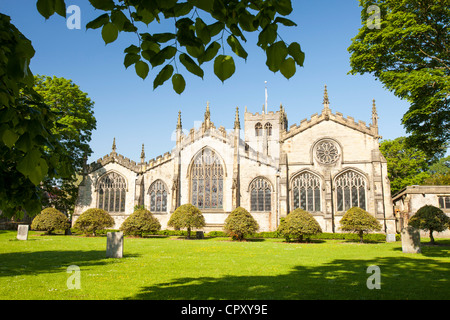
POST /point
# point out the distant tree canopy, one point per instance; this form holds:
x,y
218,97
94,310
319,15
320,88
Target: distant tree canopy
x,y
200,29
406,165
409,54
411,166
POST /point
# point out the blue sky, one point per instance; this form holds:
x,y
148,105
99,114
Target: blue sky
x,y
127,107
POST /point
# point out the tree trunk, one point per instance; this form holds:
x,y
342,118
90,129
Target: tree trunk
x,y
431,237
189,232
361,234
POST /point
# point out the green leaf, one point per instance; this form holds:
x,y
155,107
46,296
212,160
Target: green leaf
x,y
201,29
143,15
237,47
109,32
150,45
276,53
163,76
98,22
209,53
130,58
119,19
283,7
268,35
33,166
215,28
205,5
163,37
178,83
224,67
132,49
190,65
106,5
287,68
195,52
246,21
9,138
141,69
286,22
296,52
60,7
166,53
46,8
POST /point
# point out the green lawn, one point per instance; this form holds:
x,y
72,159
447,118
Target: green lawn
x,y
216,268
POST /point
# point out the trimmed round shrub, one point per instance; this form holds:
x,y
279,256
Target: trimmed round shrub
x,y
430,218
187,216
298,223
49,220
359,221
240,223
140,222
92,220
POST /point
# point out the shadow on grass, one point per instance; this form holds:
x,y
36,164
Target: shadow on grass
x,y
440,249
407,277
38,262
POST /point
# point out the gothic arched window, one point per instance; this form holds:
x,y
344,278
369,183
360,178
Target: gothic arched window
x,y
258,129
112,190
207,181
350,191
268,129
158,196
306,192
260,195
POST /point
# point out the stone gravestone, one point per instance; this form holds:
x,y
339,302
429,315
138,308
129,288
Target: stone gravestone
x,y
200,235
22,232
114,245
410,240
390,237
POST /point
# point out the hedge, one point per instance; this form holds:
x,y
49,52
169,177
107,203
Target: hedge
x,y
267,234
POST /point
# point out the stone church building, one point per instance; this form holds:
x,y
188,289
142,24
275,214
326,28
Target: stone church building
x,y
325,165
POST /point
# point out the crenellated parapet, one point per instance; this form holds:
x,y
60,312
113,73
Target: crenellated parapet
x,y
338,117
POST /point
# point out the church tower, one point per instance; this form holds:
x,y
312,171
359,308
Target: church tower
x,y
262,131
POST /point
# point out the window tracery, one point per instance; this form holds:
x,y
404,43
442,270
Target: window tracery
x,y
158,196
207,181
260,195
327,152
268,129
350,191
112,192
306,192
258,129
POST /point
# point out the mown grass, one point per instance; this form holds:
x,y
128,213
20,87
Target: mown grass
x,y
217,268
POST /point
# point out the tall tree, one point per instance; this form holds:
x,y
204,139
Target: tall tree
x,y
75,119
29,151
439,172
406,165
200,29
74,124
406,48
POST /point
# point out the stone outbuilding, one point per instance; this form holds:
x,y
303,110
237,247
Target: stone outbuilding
x,y
410,199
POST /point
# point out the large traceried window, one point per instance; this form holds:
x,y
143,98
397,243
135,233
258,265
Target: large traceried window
x,y
350,191
306,192
112,190
260,195
158,196
207,181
